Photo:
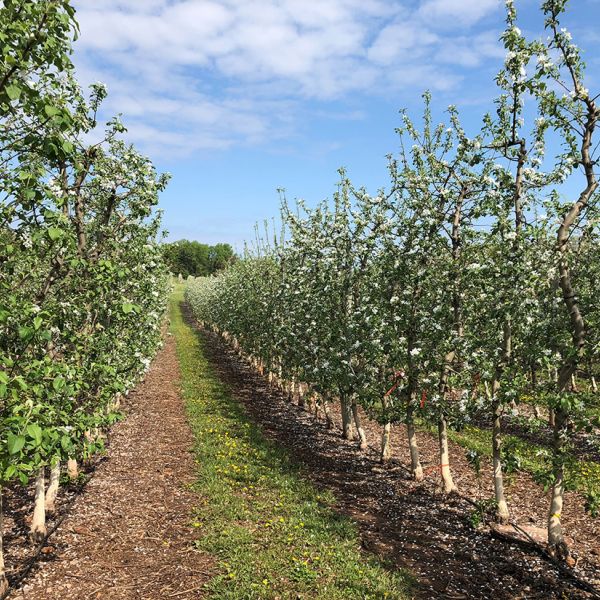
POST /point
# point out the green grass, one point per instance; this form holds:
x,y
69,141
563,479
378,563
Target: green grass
x,y
274,535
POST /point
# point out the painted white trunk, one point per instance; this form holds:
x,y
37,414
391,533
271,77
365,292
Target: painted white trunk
x,y
556,539
315,404
3,580
386,448
53,486
298,395
348,433
574,383
72,469
415,462
362,436
37,532
488,393
594,385
328,417
447,482
502,513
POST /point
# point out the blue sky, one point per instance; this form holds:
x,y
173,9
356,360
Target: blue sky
x,y
236,98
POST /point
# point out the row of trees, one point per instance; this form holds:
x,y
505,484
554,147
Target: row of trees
x,y
82,282
193,258
471,282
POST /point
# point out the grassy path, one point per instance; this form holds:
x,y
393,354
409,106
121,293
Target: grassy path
x,y
273,533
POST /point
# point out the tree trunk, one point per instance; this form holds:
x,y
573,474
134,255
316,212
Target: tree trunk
x,y
327,412
555,534
488,393
362,436
72,469
415,463
502,513
315,404
346,418
534,379
574,387
37,532
577,326
386,449
53,486
3,580
300,396
447,482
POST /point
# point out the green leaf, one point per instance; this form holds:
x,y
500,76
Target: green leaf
x,y
15,443
37,322
127,307
51,111
25,332
65,443
9,473
13,91
58,384
35,433
67,147
3,377
54,233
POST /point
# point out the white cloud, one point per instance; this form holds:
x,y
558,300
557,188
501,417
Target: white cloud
x,y
404,40
196,74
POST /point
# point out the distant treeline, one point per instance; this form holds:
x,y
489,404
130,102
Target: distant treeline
x,y
196,259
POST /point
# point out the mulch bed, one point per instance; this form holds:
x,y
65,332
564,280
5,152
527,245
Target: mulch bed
x,y
412,525
128,534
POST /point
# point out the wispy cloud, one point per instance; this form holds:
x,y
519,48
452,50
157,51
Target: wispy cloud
x,y
201,75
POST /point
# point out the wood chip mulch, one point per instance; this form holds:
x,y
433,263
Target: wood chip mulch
x,y
129,534
409,524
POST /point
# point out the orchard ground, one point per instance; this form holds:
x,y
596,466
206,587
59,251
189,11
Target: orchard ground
x,y
215,486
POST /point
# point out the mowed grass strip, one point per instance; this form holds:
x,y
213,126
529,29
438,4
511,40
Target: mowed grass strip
x,y
273,533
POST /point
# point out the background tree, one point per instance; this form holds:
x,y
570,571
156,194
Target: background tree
x,y
197,259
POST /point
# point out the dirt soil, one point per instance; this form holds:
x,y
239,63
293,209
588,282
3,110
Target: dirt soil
x,y
413,525
128,534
